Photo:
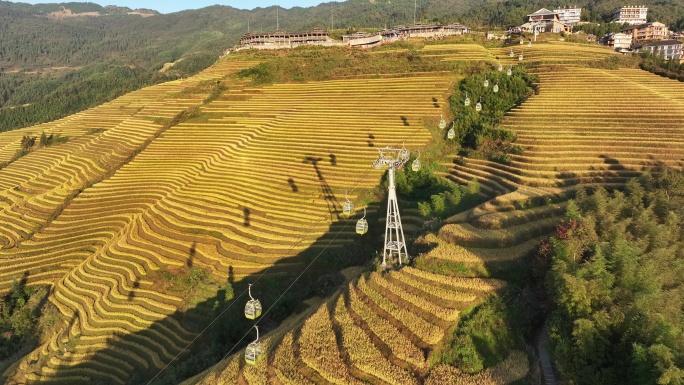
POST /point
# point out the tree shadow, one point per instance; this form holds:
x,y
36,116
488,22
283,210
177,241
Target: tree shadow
x,y
615,173
334,207
191,254
435,103
371,137
246,213
333,160
404,121
293,185
131,293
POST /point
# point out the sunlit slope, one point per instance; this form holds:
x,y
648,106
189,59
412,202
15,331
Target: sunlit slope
x,y
259,175
587,125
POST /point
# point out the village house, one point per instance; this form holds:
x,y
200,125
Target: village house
x,y
618,41
543,21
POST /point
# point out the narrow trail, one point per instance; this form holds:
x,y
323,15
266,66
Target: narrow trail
x,y
544,359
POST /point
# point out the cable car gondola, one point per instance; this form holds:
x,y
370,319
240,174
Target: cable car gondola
x,y
451,133
478,106
500,67
415,166
529,44
404,152
511,54
521,41
520,57
510,71
496,87
362,224
467,100
254,350
348,207
442,122
486,82
253,306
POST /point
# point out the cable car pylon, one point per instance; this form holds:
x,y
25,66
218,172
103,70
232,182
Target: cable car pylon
x,y
395,243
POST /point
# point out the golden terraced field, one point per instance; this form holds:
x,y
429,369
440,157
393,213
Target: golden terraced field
x,y
254,179
259,176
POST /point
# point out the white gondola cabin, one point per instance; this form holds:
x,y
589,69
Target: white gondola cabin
x,y
404,152
509,72
500,68
442,122
415,166
486,82
347,207
511,54
496,87
253,307
254,351
529,44
520,57
451,133
467,100
362,224
478,106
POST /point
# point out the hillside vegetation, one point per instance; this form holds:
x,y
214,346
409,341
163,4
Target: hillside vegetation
x,y
618,281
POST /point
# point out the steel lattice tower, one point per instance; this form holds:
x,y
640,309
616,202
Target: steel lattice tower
x,y
395,243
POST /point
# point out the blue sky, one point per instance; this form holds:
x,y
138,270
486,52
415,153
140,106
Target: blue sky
x,y
167,6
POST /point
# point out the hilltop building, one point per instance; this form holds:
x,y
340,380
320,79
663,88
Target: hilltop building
x,y
668,49
281,39
617,41
362,39
543,21
631,14
569,16
647,31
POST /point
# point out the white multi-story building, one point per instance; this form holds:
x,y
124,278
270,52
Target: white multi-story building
x,y
569,16
618,41
632,14
668,49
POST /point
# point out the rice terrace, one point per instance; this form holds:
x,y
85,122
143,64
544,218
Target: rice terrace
x,y
139,229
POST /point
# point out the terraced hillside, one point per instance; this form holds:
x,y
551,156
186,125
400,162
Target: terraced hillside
x,y
159,180
377,331
574,133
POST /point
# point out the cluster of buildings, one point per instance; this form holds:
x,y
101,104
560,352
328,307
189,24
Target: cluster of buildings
x,y
639,35
281,39
642,35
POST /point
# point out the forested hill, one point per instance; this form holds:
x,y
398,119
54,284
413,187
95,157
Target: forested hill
x,y
52,65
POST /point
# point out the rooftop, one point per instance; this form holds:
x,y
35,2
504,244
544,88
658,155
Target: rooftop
x,y
543,12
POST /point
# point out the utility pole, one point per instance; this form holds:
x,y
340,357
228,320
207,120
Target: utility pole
x,y
415,7
332,19
277,19
395,243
